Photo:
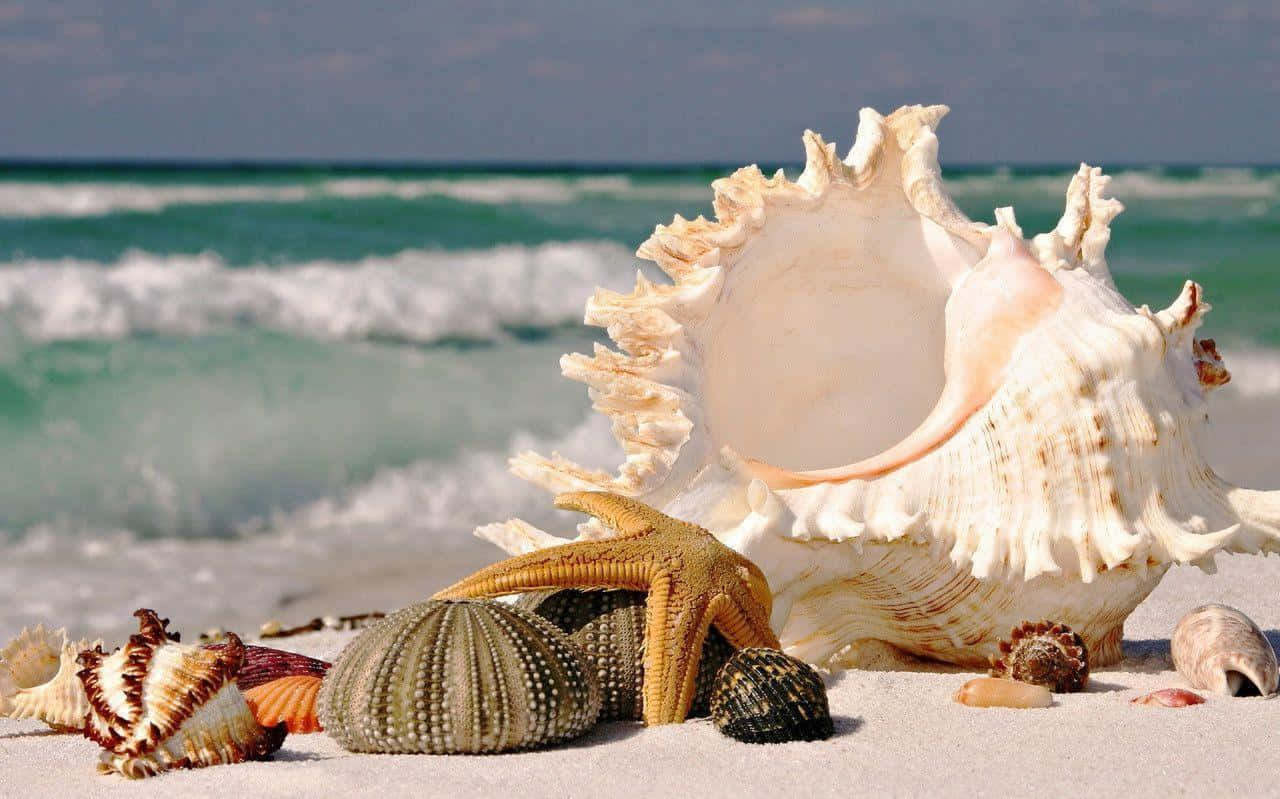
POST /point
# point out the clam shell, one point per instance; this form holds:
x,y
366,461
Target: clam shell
x,y
263,664
1169,697
291,700
999,692
922,428
766,696
157,705
38,679
608,626
1217,648
458,676
1044,653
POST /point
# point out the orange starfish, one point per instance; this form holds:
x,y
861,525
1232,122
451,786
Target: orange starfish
x,y
693,581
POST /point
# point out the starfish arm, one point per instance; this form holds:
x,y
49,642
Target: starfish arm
x,y
675,631
584,564
623,514
743,625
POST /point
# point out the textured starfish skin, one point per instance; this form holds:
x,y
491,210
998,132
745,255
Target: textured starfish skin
x,y
692,579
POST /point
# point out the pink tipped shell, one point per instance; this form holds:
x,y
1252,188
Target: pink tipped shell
x,y
262,665
288,699
1169,697
999,692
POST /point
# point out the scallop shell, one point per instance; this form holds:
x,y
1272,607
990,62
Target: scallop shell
x,y
291,700
1169,697
765,696
1044,653
38,679
1022,442
608,626
1217,648
262,665
1000,692
458,676
157,705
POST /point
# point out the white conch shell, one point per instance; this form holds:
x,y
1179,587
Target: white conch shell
x,y
1217,648
38,678
157,705
1058,475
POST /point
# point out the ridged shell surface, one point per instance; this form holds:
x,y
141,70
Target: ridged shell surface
x,y
766,696
608,626
291,700
263,664
1217,648
924,429
158,705
1044,653
464,676
38,679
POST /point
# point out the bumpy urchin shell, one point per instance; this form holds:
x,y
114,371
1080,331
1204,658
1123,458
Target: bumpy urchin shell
x,y
38,679
291,700
465,676
262,665
766,696
608,626
1217,648
157,705
1044,653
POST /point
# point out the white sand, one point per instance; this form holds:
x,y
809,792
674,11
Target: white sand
x,y
897,734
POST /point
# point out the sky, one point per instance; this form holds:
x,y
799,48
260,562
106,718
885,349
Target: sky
x,y
654,81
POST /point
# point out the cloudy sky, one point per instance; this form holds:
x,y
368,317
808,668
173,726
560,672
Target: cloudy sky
x,y
658,80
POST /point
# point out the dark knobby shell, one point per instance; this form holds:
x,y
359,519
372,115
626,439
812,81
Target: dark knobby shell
x,y
262,665
608,626
1044,653
458,676
766,696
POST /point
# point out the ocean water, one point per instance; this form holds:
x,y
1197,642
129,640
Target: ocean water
x,y
259,371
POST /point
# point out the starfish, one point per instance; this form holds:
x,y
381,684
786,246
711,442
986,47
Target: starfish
x,y
692,579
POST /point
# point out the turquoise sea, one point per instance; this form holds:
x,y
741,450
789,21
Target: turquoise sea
x,y
222,352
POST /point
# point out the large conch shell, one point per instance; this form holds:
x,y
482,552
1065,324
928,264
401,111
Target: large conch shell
x,y
38,679
158,705
1024,442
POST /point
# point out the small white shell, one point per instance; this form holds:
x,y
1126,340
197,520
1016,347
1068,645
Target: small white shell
x,y
1217,648
38,678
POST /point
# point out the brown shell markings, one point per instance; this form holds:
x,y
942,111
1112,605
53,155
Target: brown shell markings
x,y
291,700
263,664
1044,653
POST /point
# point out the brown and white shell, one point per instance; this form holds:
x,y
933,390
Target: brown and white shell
x,y
264,664
38,679
156,705
1217,648
1044,653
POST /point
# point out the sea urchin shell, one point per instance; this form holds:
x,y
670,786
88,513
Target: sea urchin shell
x,y
458,676
608,626
1217,648
158,705
766,696
1044,653
291,700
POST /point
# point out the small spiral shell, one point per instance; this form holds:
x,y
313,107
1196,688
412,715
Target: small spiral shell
x,y
766,696
1217,648
458,676
1044,653
608,626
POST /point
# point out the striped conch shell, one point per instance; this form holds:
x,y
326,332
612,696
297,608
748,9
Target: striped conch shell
x,y
1021,441
1217,648
38,679
158,705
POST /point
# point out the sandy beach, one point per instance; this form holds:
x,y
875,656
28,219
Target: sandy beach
x,y
897,734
